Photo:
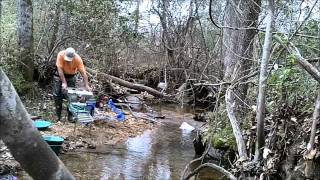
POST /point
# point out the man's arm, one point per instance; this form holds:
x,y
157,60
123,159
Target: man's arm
x,y
85,79
83,73
62,78
59,64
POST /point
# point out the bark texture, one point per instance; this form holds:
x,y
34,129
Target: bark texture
x,y
24,140
56,23
238,44
316,116
25,37
237,56
0,30
229,98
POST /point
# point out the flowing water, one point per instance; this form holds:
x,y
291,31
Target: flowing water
x,y
158,154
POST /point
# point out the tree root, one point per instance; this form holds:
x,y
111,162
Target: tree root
x,y
213,166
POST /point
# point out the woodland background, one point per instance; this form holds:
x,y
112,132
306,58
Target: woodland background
x,y
240,60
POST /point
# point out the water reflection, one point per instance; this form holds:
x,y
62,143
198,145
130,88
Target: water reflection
x,y
160,154
154,155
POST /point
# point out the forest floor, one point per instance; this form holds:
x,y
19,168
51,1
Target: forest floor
x,y
77,137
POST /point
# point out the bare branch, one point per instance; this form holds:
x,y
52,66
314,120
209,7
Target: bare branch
x,y
230,103
305,19
301,61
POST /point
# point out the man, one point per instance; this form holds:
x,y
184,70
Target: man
x,y
68,63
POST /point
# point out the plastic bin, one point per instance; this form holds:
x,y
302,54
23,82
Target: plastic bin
x,y
41,124
90,106
120,115
55,142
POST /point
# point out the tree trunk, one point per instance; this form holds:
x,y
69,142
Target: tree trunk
x,y
238,44
237,55
137,17
0,31
0,9
263,80
24,140
315,118
167,34
25,37
56,22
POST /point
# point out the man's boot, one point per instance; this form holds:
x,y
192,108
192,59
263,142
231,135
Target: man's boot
x,y
58,105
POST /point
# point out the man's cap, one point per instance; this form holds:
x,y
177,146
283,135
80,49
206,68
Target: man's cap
x,y
69,55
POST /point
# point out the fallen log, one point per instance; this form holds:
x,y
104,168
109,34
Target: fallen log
x,y
127,84
144,116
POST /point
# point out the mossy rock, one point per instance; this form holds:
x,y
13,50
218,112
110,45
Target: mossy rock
x,y
224,139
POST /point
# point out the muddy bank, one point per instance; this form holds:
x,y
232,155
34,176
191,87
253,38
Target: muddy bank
x,y
98,133
83,138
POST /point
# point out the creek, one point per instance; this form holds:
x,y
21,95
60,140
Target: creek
x,y
160,154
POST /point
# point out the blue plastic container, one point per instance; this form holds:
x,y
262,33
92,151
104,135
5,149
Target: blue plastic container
x,y
120,115
55,142
90,106
8,177
41,124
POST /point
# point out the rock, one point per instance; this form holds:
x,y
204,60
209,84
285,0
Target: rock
x,y
199,146
187,127
200,117
134,103
92,146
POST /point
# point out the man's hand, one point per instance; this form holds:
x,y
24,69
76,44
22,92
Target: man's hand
x,y
88,88
64,86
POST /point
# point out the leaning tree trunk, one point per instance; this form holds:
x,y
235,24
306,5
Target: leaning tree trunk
x,y
25,37
24,140
263,81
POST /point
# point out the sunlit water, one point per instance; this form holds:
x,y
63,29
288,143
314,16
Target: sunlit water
x,y
158,154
